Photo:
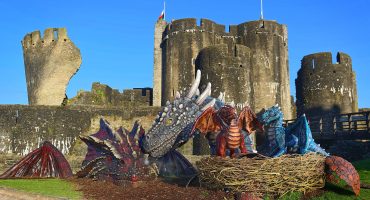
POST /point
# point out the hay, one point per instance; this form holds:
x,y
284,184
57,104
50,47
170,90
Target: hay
x,y
263,176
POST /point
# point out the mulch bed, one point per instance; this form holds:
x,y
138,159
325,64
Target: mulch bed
x,y
150,190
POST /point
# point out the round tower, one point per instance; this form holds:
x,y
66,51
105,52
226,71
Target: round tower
x,y
268,41
228,69
324,88
182,41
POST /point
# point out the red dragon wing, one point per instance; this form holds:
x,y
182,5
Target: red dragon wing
x,y
248,120
205,122
344,170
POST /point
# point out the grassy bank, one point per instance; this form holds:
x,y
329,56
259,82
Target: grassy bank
x,y
47,187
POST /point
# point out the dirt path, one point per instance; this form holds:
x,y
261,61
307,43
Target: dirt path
x,y
12,194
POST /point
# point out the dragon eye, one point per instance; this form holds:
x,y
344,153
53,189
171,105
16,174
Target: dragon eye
x,y
168,122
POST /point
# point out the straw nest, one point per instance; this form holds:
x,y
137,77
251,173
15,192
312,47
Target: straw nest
x,y
263,176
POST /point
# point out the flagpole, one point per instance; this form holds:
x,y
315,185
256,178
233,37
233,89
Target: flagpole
x,y
164,10
261,17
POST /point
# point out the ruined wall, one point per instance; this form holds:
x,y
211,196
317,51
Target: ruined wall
x,y
23,128
50,62
183,40
228,69
103,95
326,88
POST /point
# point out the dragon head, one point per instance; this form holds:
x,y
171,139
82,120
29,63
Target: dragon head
x,y
173,125
271,115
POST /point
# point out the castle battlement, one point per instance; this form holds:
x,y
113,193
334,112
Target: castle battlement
x,y
50,35
323,61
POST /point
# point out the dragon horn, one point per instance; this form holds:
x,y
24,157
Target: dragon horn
x,y
223,97
220,96
344,170
211,103
177,95
232,103
197,92
204,95
195,85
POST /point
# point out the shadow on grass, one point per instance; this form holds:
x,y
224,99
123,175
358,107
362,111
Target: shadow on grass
x,y
341,190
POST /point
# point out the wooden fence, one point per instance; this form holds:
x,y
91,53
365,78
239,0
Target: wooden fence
x,y
349,126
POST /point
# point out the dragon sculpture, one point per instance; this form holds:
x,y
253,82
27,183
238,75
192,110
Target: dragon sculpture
x,y
111,155
114,155
233,129
297,138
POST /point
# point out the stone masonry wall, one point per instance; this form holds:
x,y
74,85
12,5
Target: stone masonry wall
x,y
23,128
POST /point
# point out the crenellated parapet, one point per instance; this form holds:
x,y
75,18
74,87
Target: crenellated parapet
x,y
50,62
324,87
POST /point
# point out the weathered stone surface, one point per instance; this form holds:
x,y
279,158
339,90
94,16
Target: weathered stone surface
x,y
50,62
324,88
267,61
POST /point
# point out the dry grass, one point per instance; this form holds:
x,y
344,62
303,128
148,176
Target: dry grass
x,y
264,176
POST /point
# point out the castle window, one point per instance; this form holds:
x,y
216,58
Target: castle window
x,y
241,66
334,71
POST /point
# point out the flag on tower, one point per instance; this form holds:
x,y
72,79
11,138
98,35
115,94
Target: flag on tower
x,y
162,15
163,12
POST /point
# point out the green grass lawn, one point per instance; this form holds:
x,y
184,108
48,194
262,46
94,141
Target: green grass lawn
x,y
340,191
48,187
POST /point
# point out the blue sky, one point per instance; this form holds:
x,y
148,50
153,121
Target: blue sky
x,y
116,37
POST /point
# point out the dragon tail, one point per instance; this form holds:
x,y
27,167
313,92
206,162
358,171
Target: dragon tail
x,y
344,170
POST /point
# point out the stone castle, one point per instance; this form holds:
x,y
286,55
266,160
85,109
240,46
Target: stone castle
x,y
249,62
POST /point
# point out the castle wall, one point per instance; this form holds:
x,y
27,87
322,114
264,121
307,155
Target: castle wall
x,y
23,128
326,88
50,62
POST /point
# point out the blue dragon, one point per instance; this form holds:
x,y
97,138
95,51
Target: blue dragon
x,y
296,138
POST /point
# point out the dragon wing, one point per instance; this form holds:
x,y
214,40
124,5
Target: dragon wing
x,y
206,122
248,121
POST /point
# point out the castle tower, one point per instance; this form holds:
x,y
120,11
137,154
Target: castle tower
x,y
228,69
160,26
268,81
326,88
268,41
50,62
